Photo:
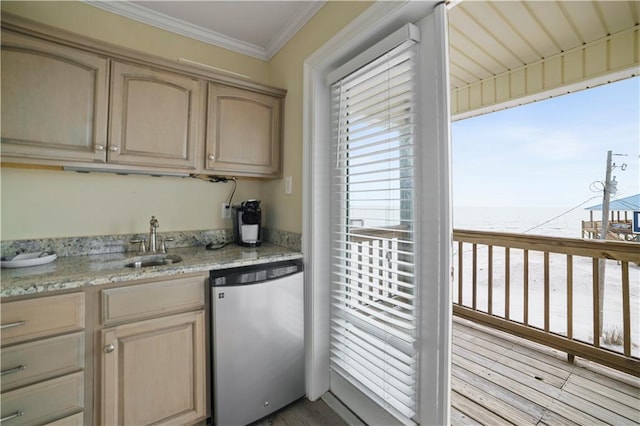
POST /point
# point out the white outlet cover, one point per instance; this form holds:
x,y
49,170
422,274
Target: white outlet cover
x,y
226,212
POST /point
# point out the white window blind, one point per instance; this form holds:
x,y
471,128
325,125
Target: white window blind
x,y
373,308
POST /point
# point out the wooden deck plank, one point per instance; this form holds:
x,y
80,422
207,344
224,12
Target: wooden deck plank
x,y
540,364
629,385
553,419
488,401
558,409
613,408
475,411
508,397
612,391
458,418
534,350
524,364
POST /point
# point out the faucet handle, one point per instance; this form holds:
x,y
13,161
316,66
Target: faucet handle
x,y
143,244
163,246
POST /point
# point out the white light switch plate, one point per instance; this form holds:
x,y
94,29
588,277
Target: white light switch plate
x,y
287,185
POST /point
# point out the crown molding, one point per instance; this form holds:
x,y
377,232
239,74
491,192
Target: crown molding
x,y
298,21
178,26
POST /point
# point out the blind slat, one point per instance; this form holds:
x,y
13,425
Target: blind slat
x,y
381,374
406,356
374,322
362,294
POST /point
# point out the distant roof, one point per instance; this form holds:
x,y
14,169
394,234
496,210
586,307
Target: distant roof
x,y
627,203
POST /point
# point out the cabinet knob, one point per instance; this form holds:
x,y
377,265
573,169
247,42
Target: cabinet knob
x,y
212,157
109,348
113,148
99,147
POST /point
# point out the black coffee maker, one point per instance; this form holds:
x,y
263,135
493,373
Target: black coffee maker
x,y
247,223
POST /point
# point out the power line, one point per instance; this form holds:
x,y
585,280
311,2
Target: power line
x,y
561,214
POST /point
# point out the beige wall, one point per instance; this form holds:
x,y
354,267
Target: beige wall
x,y
49,204
286,71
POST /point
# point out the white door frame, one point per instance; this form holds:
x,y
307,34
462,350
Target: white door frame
x,y
433,204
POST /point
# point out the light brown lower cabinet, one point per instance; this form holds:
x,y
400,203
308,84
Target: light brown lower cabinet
x,y
42,359
153,371
45,401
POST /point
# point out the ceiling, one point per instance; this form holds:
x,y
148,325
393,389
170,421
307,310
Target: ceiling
x,y
488,40
255,28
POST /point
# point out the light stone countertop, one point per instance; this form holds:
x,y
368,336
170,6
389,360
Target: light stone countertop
x,y
81,271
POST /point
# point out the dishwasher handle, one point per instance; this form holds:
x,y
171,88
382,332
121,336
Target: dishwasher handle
x,y
254,274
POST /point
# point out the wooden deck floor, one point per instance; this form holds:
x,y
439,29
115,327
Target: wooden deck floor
x,y
499,379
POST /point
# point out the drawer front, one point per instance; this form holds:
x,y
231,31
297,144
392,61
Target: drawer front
x,y
41,360
146,300
44,402
73,420
41,317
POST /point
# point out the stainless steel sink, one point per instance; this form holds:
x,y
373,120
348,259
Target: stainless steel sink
x,y
156,261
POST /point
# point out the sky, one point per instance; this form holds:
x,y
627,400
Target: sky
x,y
549,153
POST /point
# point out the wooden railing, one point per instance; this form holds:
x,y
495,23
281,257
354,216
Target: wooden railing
x,y
540,288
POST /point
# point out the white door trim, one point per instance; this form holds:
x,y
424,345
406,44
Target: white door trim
x,y
370,27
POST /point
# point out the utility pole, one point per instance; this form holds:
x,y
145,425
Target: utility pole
x,y
606,198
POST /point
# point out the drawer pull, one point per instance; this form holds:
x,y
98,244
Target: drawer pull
x,y
109,348
11,416
12,324
12,370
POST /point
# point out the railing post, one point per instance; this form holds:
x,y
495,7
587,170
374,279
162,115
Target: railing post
x,y
526,288
596,303
474,282
460,274
570,299
507,283
490,280
626,309
546,291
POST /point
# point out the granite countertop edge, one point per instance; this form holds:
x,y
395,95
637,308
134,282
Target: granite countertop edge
x,y
77,272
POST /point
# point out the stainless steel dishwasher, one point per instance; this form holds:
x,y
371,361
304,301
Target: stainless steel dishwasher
x,y
258,340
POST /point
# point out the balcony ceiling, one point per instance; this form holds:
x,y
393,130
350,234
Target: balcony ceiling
x,y
489,38
500,51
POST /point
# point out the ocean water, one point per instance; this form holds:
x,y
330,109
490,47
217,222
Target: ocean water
x,y
549,221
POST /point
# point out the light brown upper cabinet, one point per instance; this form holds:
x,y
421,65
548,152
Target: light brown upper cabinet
x,y
243,132
155,117
54,101
71,101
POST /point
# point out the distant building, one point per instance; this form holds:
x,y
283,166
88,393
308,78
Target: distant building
x,y
619,220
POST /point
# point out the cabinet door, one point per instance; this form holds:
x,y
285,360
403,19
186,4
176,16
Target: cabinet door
x,y
243,132
154,371
54,101
154,117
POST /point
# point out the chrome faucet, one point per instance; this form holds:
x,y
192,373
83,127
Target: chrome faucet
x,y
153,234
154,246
